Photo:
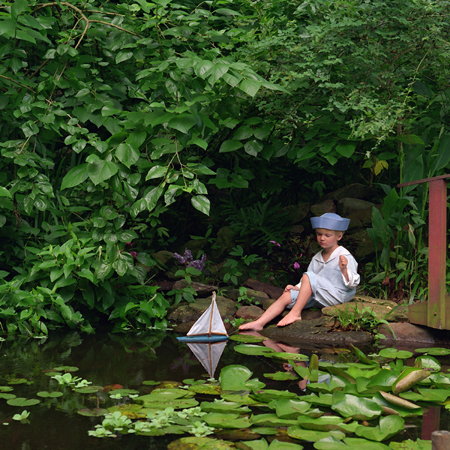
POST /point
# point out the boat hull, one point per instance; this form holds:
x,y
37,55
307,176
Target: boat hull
x,y
206,338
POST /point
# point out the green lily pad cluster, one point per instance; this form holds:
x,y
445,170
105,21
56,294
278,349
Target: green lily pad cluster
x,y
364,403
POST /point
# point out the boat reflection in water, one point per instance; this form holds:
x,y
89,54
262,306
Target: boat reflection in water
x,y
208,353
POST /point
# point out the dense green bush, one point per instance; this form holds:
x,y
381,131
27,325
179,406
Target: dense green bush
x,y
125,125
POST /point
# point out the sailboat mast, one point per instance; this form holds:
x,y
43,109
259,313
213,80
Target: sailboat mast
x,y
212,313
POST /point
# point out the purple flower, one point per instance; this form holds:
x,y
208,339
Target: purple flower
x,y
275,242
296,265
133,254
128,243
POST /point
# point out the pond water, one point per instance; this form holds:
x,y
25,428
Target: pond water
x,y
106,360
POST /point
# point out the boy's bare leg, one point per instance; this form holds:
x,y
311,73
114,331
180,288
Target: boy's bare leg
x,y
296,311
274,310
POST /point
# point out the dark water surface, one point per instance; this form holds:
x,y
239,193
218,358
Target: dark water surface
x,y
104,360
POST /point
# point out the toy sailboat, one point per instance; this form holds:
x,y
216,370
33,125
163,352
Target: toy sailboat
x,y
209,328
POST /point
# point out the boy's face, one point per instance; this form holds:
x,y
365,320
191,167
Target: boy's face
x,y
328,239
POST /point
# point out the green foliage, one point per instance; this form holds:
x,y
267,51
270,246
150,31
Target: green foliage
x,y
120,121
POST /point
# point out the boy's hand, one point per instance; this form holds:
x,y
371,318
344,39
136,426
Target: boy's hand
x,y
343,262
289,287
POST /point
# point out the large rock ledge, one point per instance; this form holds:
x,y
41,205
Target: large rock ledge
x,y
316,332
319,328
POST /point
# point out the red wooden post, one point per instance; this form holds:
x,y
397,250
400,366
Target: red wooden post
x,y
437,248
434,312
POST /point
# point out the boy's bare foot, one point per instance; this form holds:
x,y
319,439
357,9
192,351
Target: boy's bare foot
x,y
290,318
255,326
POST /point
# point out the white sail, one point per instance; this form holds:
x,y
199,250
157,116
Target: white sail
x,y
208,354
210,322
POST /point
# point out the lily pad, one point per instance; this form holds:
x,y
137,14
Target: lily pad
x,y
6,388
331,443
394,408
291,408
234,377
427,395
18,381
224,406
266,395
132,411
358,408
46,394
249,349
409,378
274,445
227,420
434,351
281,376
324,423
66,369
428,362
96,412
388,426
411,445
124,392
176,404
163,395
7,396
89,389
243,399
23,402
247,338
321,399
383,379
289,356
209,389
203,443
151,383
272,420
440,380
267,431
394,353
313,435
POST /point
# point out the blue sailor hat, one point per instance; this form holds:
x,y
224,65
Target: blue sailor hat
x,y
330,221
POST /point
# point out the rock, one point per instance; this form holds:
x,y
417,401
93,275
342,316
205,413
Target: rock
x,y
326,206
271,290
194,245
202,290
163,257
347,206
355,190
384,309
295,213
225,242
297,230
362,244
360,219
407,332
316,332
190,312
256,296
249,312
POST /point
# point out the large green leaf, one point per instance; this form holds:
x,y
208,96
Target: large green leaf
x,y
101,170
75,176
234,377
201,203
126,154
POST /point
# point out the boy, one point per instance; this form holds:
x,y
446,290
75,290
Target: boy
x,y
331,277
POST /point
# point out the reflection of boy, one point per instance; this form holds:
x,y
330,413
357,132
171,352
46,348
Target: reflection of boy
x,y
331,277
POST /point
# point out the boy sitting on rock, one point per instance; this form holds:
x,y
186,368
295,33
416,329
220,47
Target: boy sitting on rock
x,y
331,278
